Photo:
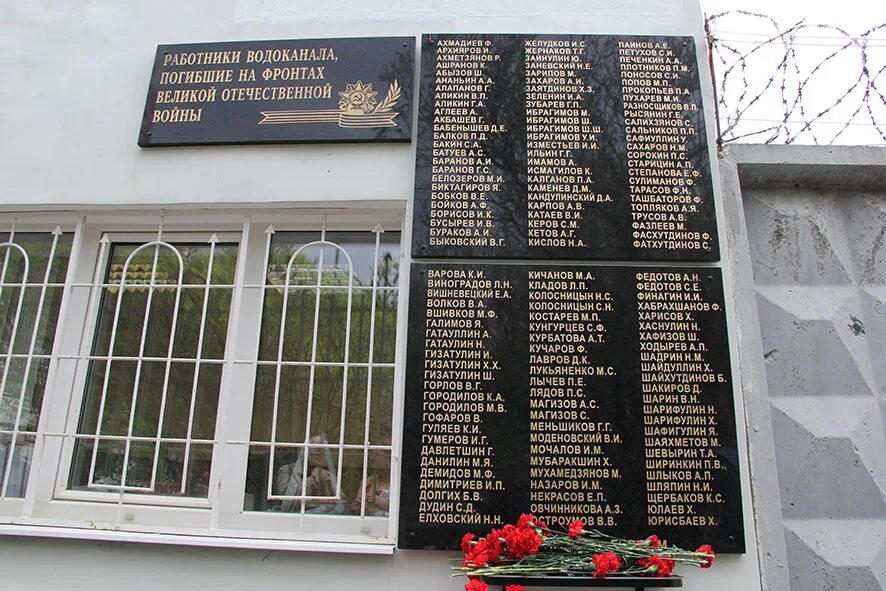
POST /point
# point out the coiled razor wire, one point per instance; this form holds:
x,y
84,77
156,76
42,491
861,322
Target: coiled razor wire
x,y
777,74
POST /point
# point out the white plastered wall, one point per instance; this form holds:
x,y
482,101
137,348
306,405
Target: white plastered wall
x,y
74,81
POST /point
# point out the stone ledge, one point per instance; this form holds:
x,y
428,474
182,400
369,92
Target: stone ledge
x,y
763,165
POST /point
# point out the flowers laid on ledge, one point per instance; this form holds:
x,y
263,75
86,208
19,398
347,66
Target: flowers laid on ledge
x,y
531,548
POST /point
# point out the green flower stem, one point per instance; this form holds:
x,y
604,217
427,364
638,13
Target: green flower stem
x,y
562,555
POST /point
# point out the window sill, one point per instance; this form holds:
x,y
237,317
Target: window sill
x,y
72,533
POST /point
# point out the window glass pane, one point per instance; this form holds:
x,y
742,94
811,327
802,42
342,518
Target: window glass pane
x,y
20,464
13,370
206,401
163,320
39,246
332,330
190,314
303,301
130,320
377,485
33,391
29,306
326,410
224,266
171,458
29,332
263,403
360,246
382,404
385,341
172,379
355,413
215,331
194,256
340,315
321,481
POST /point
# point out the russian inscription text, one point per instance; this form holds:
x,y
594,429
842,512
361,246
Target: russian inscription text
x,y
280,92
599,393
567,146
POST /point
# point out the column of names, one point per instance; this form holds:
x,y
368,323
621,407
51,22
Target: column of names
x,y
458,396
462,176
558,128
665,201
680,426
570,446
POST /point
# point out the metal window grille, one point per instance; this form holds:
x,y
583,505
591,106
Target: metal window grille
x,y
18,441
151,287
320,282
131,281
303,496
80,275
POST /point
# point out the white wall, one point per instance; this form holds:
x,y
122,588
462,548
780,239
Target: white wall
x,y
37,565
75,77
72,91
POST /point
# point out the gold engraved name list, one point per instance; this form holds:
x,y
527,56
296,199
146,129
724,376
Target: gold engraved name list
x,y
680,426
458,396
557,129
570,461
661,175
462,174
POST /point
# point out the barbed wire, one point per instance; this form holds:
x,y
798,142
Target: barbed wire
x,y
767,90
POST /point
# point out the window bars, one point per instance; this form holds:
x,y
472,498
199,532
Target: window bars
x,y
110,450
291,491
134,279
11,251
156,244
303,496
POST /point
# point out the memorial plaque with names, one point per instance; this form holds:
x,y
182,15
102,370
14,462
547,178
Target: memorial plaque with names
x,y
290,91
600,393
562,146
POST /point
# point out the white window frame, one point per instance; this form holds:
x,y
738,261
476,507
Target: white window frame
x,y
61,490
51,509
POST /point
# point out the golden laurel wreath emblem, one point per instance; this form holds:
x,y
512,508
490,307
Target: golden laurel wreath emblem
x,y
357,107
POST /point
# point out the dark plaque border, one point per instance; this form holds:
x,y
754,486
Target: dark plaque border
x,y
605,226
379,61
508,431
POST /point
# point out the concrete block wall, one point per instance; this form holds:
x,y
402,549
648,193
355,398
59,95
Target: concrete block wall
x,y
816,231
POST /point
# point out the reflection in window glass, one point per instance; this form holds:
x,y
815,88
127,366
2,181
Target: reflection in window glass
x,y
29,307
158,346
321,455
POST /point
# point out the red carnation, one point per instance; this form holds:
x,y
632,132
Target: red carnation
x,y
543,527
484,552
606,563
466,542
515,588
520,541
654,541
575,528
706,549
525,519
476,585
657,566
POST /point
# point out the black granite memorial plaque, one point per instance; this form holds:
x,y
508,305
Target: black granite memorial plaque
x,y
291,91
562,146
600,393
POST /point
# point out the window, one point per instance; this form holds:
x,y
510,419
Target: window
x,y
324,386
230,375
147,422
31,280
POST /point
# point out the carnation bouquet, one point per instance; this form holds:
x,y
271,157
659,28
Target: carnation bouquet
x,y
531,548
